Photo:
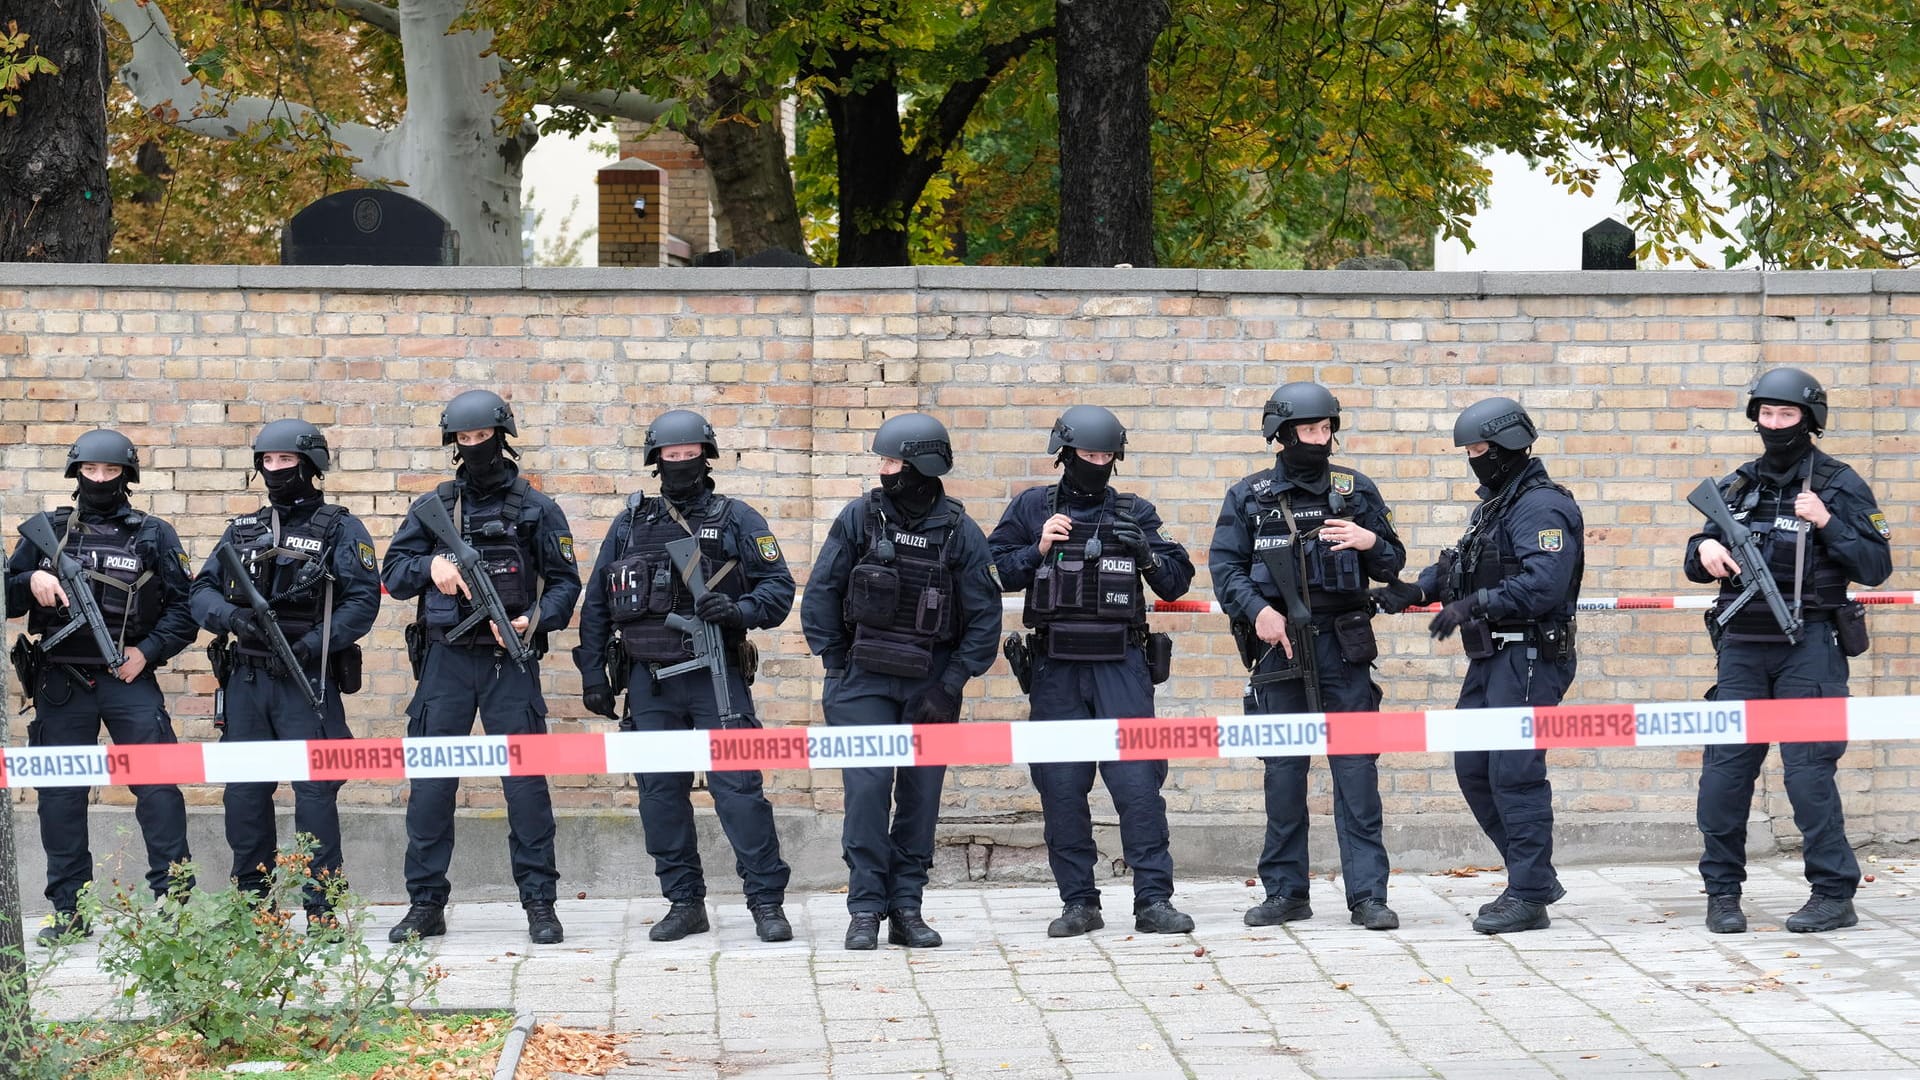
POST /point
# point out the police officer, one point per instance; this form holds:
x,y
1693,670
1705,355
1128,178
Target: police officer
x,y
1510,589
634,587
1081,551
137,571
524,539
1817,527
1305,530
313,562
902,610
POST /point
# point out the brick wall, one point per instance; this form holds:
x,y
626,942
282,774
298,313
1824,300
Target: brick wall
x,y
1635,380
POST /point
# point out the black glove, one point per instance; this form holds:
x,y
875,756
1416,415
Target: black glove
x,y
304,651
245,624
934,705
1450,618
721,611
1397,596
1134,539
599,700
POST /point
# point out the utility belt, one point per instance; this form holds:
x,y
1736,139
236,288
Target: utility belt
x,y
344,666
1088,642
743,656
1553,641
1352,633
419,636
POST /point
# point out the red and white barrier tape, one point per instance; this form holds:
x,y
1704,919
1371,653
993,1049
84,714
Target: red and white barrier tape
x,y
1699,602
1690,723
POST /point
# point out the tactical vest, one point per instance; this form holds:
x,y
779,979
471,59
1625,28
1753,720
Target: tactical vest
x,y
1767,511
122,580
643,587
1286,524
1090,577
508,546
291,569
1486,556
900,595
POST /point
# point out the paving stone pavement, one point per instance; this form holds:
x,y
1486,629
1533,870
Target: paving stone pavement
x,y
1626,983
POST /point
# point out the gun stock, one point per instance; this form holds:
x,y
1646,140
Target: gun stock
x,y
709,644
1755,578
38,531
473,571
269,623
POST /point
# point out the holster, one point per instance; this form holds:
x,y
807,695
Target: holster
x,y
1714,630
27,664
1246,641
746,659
345,668
1850,626
1018,649
619,665
416,635
1476,639
1159,653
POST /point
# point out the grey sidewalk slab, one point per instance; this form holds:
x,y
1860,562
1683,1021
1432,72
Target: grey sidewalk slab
x,y
1625,983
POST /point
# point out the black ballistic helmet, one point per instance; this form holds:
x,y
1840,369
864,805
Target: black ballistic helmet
x,y
1299,402
104,447
1497,420
1789,386
917,439
474,410
292,437
1089,427
676,428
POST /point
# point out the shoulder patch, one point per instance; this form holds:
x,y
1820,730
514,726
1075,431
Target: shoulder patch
x,y
767,546
566,549
1551,540
1879,522
186,566
365,551
1342,482
1165,536
1390,523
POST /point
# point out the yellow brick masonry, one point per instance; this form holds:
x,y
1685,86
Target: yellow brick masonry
x,y
1638,395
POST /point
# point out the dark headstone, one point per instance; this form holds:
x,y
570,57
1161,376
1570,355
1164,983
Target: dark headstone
x,y
1607,246
1372,262
369,227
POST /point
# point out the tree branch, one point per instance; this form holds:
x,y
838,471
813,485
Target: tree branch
x,y
372,12
623,104
158,71
950,116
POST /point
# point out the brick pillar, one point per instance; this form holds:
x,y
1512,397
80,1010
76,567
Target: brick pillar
x,y
693,218
626,238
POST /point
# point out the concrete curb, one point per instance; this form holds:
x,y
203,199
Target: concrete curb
x,y
515,1045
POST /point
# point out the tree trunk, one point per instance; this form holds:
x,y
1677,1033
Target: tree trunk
x,y
16,1012
54,201
872,163
1106,129
752,183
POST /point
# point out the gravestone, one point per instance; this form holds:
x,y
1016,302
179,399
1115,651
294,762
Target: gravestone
x,y
369,227
1607,246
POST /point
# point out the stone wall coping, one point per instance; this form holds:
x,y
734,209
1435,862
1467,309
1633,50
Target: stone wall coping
x,y
470,279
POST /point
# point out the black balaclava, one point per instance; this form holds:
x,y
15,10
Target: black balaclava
x,y
1304,463
289,486
1785,447
684,481
485,462
101,497
1497,466
1082,481
911,490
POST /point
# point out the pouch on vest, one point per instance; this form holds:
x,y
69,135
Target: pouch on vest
x,y
654,642
930,613
628,589
1039,602
873,594
1159,652
1850,626
1476,639
1353,632
885,653
1335,571
1115,583
344,668
1067,585
1086,641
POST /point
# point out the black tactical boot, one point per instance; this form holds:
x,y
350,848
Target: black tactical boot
x,y
863,931
906,927
770,921
1275,910
422,920
1559,894
66,926
1375,915
1724,915
1822,913
683,918
1074,920
1512,916
543,926
1161,917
